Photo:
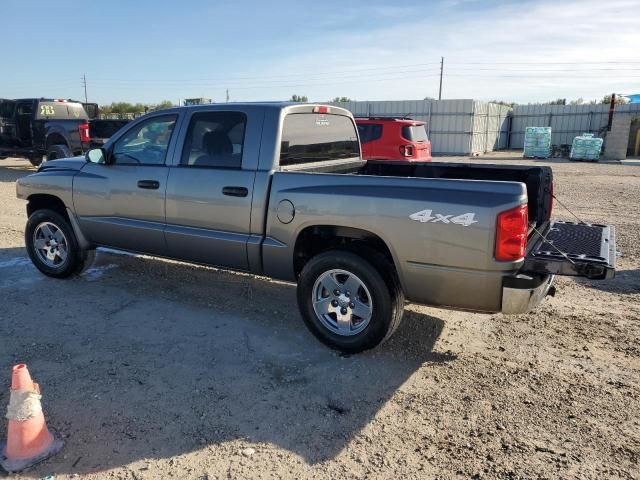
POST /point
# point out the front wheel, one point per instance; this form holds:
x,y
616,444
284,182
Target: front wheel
x,y
52,245
348,303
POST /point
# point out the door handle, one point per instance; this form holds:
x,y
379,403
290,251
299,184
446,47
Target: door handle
x,y
149,184
235,191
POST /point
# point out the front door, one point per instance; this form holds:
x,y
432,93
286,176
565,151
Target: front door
x,y
121,203
209,192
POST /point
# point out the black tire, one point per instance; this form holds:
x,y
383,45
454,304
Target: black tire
x,y
58,151
37,161
76,259
381,282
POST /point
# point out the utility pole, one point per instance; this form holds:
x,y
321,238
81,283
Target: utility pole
x,y
227,95
441,70
84,81
612,107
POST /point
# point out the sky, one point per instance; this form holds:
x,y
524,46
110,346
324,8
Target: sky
x,y
147,51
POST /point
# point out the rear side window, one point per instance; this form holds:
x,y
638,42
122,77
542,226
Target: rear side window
x,y
214,140
369,132
60,111
25,108
415,133
317,137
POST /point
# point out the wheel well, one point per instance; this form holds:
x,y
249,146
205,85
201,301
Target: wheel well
x,y
319,238
50,202
56,139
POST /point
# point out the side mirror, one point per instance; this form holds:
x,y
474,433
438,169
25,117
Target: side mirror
x,y
96,155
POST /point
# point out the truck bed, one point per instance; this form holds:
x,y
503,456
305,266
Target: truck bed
x,y
538,180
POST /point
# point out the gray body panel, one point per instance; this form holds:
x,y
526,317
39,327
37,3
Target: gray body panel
x,y
113,211
189,218
435,261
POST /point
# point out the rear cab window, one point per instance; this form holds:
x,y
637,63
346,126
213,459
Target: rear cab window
x,y
60,111
415,133
317,137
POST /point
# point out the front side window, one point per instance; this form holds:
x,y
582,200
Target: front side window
x,y
316,137
214,140
146,143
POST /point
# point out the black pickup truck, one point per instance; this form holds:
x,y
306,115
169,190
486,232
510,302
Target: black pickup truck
x,y
41,129
102,128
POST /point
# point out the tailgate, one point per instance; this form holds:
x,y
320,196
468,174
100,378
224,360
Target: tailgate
x,y
576,249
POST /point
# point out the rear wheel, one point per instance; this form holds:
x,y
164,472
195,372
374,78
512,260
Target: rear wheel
x,y
53,246
58,151
348,303
37,160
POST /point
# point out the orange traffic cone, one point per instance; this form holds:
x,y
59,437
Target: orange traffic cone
x,y
29,441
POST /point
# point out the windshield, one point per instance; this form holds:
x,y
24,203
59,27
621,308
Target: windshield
x,y
316,137
415,133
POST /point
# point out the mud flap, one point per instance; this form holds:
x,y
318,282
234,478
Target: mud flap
x,y
574,249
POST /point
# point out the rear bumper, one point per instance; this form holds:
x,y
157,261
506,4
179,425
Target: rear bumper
x,y
523,292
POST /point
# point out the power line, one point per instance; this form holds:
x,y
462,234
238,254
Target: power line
x,y
621,62
357,70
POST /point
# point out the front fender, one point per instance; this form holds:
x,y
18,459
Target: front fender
x,y
54,178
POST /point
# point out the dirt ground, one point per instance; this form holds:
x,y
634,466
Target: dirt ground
x,y
153,369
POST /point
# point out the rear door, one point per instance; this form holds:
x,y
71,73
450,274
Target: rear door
x,y
210,187
24,121
121,204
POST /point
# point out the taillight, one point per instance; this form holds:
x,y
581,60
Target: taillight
x,y
321,109
406,150
83,128
511,234
551,201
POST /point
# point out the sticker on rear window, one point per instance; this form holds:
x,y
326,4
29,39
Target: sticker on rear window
x,y
322,121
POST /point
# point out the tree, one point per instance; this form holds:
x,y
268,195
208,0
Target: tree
x,y
619,100
578,101
164,104
341,100
299,98
502,102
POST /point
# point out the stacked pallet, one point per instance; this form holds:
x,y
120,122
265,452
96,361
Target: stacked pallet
x,y
586,147
537,142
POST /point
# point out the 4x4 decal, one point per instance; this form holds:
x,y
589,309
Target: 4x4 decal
x,y
425,216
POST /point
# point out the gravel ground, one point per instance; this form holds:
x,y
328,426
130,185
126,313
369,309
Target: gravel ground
x,y
154,369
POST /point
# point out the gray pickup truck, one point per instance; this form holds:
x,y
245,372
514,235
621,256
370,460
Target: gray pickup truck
x,y
280,189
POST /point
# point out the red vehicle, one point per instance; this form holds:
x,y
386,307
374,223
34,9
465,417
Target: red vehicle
x,y
385,138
